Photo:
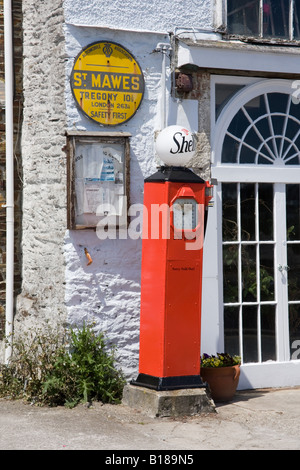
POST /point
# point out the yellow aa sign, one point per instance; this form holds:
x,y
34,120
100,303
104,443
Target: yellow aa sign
x,y
107,83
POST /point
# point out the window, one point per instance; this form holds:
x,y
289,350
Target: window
x,y
264,19
98,178
264,131
256,160
258,128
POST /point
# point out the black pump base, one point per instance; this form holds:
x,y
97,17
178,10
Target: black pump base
x,y
169,383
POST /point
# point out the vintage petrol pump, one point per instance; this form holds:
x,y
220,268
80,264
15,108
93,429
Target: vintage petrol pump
x,y
175,208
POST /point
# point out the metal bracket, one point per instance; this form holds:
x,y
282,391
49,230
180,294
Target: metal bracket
x,y
163,47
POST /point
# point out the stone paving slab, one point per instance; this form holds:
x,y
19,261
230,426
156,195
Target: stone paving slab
x,y
260,419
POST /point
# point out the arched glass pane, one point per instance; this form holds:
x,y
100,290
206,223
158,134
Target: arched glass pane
x,y
266,131
238,124
253,139
256,107
229,152
295,109
247,155
224,92
262,126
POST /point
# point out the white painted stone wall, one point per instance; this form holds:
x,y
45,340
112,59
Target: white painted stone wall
x,y
151,15
57,283
108,290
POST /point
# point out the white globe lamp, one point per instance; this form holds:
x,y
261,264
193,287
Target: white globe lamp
x,y
175,145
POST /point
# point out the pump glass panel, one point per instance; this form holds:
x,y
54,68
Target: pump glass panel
x,y
185,214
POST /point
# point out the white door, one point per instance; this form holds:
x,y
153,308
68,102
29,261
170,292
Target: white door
x,y
256,226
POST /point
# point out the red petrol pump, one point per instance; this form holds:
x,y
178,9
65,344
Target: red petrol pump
x,y
175,210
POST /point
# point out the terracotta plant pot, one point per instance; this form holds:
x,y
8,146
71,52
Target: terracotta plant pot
x,y
222,381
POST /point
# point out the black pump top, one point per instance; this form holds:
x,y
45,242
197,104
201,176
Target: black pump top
x,y
174,174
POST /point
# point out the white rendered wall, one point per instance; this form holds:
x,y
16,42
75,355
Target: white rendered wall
x,y
152,15
108,290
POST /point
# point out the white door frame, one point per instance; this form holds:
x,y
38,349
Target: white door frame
x,y
255,375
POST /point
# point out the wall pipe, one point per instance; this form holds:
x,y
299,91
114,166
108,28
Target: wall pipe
x,y
9,135
163,48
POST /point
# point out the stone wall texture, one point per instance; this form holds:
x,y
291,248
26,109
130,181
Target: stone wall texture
x,y
44,164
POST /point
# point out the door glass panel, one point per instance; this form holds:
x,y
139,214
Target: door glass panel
x,y
266,283
249,280
250,345
293,235
230,273
293,212
231,328
294,327
247,211
266,212
261,239
293,257
229,208
268,333
248,270
293,266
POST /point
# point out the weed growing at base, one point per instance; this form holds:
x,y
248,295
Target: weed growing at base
x,y
63,368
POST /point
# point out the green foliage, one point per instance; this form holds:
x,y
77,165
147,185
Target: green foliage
x,y
45,370
220,360
33,359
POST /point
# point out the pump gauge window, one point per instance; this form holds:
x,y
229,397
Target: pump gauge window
x,y
185,216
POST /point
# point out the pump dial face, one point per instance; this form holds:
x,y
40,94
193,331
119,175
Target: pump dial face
x,y
185,214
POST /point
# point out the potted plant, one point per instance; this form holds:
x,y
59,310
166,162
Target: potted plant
x,y
222,373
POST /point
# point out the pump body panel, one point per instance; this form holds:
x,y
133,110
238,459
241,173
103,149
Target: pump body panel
x,y
171,282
